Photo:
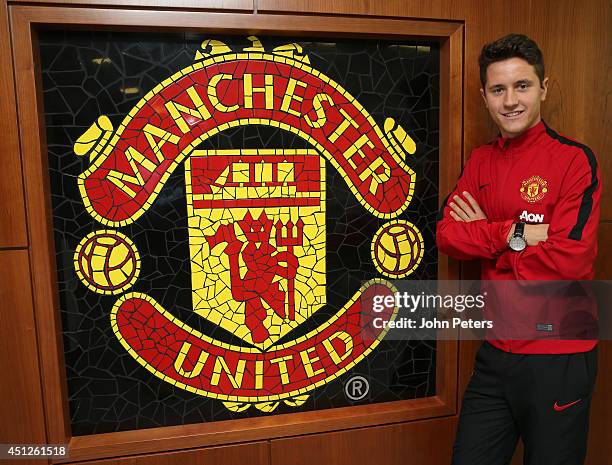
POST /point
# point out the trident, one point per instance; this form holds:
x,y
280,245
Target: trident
x,y
290,241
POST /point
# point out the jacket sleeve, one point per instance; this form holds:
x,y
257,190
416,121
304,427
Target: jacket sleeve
x,y
476,239
571,248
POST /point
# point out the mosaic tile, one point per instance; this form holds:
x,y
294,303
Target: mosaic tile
x,y
263,205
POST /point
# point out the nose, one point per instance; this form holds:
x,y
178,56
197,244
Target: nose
x,y
510,98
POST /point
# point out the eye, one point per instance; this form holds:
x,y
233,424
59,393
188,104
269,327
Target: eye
x,y
523,86
498,91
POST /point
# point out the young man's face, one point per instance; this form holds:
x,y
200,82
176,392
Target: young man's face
x,y
513,94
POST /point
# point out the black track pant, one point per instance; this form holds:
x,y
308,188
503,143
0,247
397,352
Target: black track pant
x,y
544,399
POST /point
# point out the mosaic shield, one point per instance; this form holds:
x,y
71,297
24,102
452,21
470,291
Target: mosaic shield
x,y
257,239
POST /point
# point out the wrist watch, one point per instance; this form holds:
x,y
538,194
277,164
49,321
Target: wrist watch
x,y
517,242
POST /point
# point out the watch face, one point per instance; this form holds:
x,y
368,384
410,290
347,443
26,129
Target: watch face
x,y
517,243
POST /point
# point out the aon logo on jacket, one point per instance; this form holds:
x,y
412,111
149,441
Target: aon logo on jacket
x,y
532,217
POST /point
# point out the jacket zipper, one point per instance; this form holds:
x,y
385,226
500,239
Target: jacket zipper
x,y
501,192
502,187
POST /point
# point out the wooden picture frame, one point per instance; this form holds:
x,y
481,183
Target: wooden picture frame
x,y
26,20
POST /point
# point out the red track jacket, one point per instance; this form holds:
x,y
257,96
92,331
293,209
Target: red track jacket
x,y
537,177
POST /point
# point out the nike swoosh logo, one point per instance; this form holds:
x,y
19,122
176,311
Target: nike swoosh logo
x,y
559,408
484,185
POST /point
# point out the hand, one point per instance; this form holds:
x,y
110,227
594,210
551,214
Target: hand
x,y
461,211
534,233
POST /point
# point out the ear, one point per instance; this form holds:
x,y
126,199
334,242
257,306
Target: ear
x,y
482,94
544,87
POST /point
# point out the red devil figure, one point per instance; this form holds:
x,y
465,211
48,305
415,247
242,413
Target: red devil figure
x,y
262,261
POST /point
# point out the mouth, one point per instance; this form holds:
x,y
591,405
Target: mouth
x,y
513,114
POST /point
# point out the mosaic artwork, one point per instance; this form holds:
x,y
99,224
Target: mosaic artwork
x,y
222,206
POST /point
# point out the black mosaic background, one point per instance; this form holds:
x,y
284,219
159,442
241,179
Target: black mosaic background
x,y
108,390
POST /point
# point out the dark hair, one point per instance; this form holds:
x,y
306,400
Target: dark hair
x,y
511,46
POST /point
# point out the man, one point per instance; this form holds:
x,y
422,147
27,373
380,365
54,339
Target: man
x,y
527,206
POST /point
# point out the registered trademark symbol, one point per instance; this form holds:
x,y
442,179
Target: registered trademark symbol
x,y
356,388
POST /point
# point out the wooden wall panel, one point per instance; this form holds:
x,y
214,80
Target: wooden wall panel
x,y
12,217
399,8
604,155
254,453
21,408
603,266
173,4
426,442
601,410
596,65
576,42
600,445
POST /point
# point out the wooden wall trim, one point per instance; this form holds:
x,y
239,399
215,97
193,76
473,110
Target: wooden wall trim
x,y
150,4
253,429
42,265
13,231
451,151
451,123
236,22
248,453
25,21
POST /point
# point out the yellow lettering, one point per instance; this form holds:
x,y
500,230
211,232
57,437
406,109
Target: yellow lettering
x,y
136,159
308,360
291,97
200,111
317,106
348,121
163,136
333,353
377,178
180,359
355,149
212,93
221,366
267,90
282,367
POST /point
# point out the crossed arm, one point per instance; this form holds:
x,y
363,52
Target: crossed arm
x,y
468,210
565,248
